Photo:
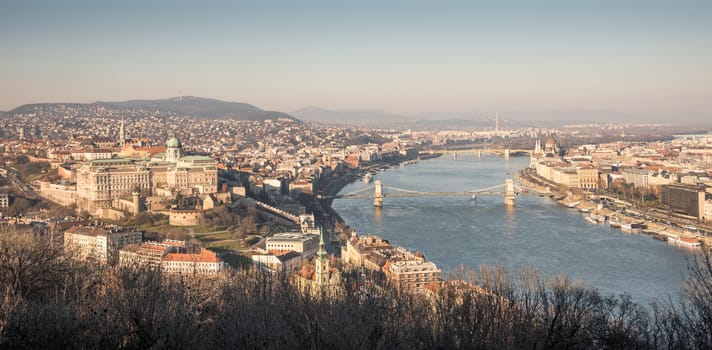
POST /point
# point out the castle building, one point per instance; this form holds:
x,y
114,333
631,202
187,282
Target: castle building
x,y
103,183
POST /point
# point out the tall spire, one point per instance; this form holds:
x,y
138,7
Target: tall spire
x,y
496,122
122,132
321,275
321,254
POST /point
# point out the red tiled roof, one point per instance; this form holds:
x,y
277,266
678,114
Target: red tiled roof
x,y
204,256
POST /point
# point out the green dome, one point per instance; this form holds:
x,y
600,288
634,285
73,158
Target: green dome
x,y
173,142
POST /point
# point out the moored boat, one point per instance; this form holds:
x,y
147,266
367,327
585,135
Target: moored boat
x,y
590,219
629,226
572,204
599,218
660,237
691,242
614,221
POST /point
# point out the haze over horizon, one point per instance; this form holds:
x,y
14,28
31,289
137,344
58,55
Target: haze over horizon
x,y
643,58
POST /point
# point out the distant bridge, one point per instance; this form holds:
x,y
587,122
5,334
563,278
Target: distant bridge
x,y
509,192
505,152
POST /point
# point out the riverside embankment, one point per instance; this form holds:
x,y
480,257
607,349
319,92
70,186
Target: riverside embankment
x,y
673,232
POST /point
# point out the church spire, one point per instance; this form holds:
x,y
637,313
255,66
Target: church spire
x,y
321,254
321,275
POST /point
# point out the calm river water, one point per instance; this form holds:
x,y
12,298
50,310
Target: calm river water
x,y
537,232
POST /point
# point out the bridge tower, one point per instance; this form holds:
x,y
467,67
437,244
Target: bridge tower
x,y
506,153
479,154
509,194
378,194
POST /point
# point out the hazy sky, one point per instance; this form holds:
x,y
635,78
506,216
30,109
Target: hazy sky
x,y
642,57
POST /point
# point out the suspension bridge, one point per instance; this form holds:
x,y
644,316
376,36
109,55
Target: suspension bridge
x,y
508,190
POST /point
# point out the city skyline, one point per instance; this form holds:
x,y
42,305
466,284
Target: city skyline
x,y
641,58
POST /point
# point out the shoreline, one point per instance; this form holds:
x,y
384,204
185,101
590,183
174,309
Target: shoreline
x,y
652,228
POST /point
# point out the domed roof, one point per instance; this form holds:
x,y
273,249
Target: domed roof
x,y
173,142
550,141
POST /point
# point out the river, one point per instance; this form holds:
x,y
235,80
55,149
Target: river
x,y
537,232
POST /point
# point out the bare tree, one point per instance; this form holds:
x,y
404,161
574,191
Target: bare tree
x,y
31,264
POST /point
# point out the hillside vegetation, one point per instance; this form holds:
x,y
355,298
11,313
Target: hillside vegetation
x,y
48,300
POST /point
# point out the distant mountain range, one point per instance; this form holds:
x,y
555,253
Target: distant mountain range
x,y
371,118
465,119
206,108
198,107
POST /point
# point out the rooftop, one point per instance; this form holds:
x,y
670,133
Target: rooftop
x,y
204,256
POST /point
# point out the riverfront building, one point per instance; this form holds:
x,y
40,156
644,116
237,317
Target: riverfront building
x,y
412,274
404,269
370,252
684,199
585,177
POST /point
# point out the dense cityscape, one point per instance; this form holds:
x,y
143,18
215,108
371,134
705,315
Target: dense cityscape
x,y
218,198
355,175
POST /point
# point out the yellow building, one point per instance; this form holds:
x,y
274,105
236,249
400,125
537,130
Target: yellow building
x,y
587,178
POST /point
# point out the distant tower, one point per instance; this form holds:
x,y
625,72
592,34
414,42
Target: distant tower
x,y
378,194
496,122
135,196
22,134
509,194
173,149
321,263
122,133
